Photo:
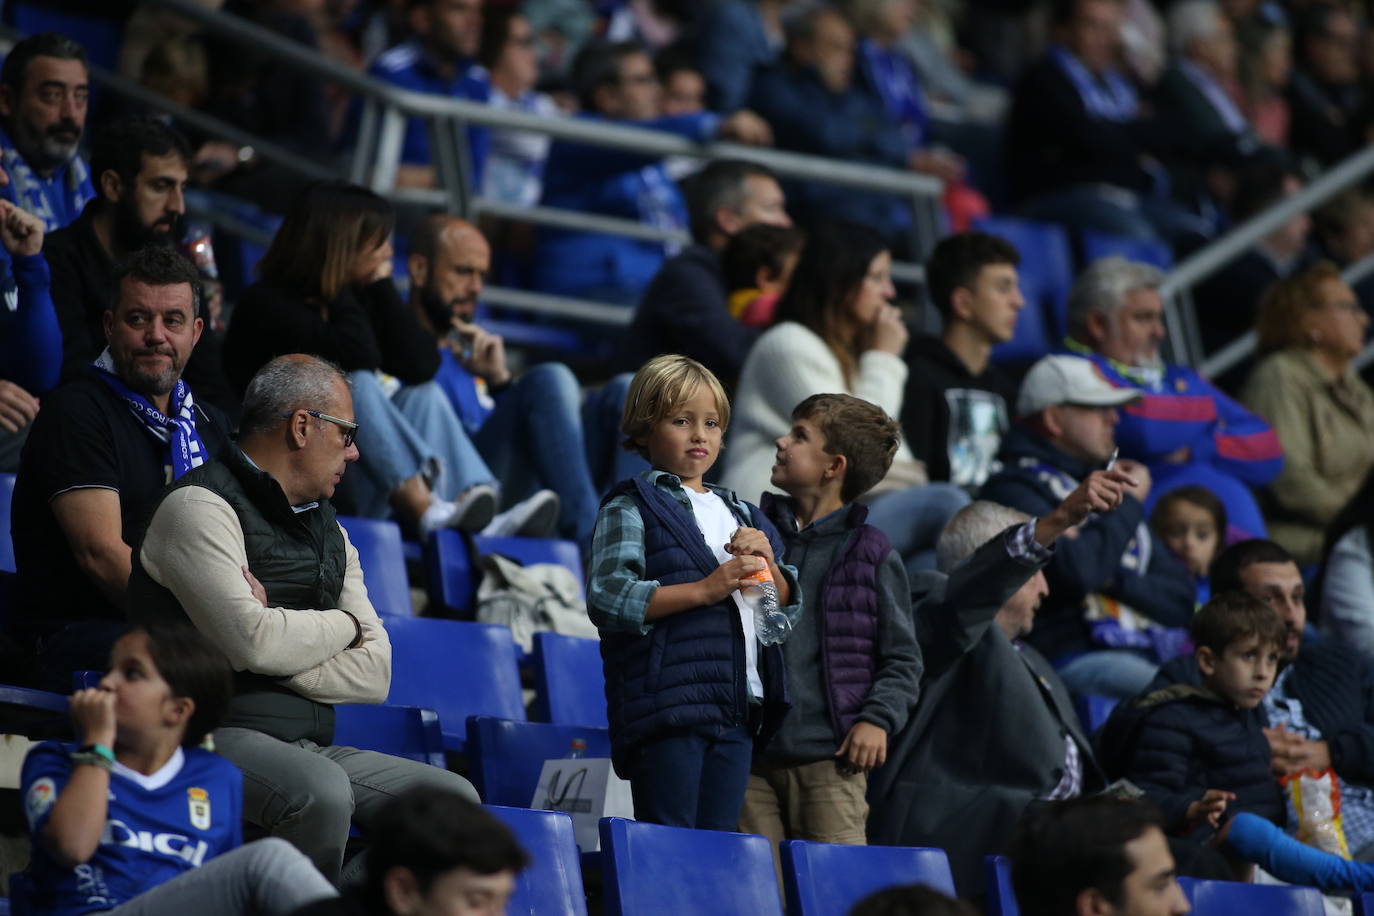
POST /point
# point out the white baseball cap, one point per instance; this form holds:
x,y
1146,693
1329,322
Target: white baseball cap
x,y
1069,380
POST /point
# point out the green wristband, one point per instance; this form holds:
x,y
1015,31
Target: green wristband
x,y
96,755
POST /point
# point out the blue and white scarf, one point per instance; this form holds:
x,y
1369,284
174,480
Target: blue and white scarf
x,y
1109,97
178,431
56,201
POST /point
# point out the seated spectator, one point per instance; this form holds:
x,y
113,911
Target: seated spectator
x,y
954,412
514,172
1311,327
249,551
43,93
1191,522
140,732
684,310
684,88
837,333
734,39
30,336
994,730
1200,754
1118,599
532,430
140,165
616,83
1078,150
910,900
1344,596
1266,62
1329,109
440,59
326,289
1182,428
1345,233
1094,855
98,454
428,851
757,265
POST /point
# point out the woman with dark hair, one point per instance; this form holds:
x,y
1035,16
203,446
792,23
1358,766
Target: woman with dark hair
x,y
514,172
326,290
838,333
136,818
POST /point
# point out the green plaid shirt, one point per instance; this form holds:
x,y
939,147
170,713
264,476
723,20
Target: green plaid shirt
x,y
618,594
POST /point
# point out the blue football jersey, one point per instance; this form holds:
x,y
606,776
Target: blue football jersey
x,y
158,827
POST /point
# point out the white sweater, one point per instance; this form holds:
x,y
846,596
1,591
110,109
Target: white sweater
x,y
787,365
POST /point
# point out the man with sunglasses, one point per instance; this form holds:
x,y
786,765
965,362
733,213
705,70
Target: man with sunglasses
x,y
98,454
248,550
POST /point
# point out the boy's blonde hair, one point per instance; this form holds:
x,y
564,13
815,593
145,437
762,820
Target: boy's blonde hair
x,y
661,385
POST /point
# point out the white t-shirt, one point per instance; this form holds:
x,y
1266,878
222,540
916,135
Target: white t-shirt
x,y
717,525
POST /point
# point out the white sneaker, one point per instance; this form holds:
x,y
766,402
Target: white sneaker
x,y
472,512
536,517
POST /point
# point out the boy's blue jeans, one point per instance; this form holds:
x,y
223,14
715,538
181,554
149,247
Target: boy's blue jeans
x,y
693,778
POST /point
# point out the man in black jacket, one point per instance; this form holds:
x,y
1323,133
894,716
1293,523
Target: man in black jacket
x,y
684,310
1321,709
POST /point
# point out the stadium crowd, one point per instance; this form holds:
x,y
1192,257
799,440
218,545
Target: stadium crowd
x,y
857,577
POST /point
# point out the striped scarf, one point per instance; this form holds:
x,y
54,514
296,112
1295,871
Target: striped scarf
x,y
177,431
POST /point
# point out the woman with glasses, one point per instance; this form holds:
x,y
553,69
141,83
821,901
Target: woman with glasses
x,y
1311,327
326,289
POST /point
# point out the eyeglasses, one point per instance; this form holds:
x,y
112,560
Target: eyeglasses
x,y
350,428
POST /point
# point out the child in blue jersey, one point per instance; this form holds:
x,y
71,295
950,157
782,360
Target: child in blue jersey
x,y
1191,521
689,686
136,818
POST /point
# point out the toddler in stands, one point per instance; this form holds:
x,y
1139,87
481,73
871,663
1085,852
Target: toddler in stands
x,y
689,686
853,665
757,265
1192,522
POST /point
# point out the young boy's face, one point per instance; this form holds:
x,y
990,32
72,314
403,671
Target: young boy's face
x,y
687,441
1191,533
1243,672
802,460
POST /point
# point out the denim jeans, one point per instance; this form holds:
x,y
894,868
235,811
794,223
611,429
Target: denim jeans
x,y
1119,212
414,432
913,520
601,412
693,778
1117,673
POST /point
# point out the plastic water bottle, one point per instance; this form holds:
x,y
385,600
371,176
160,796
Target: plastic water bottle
x,y
770,623
577,749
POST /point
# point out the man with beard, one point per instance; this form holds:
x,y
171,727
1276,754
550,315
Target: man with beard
x,y
99,452
1182,428
140,168
43,94
528,429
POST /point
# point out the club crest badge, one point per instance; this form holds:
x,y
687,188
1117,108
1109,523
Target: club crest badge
x,y
198,802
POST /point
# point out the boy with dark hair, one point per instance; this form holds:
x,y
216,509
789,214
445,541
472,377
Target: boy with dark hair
x,y
954,413
1198,752
853,665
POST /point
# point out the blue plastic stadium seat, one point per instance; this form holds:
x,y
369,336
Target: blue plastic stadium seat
x,y
384,563
1046,274
456,668
1093,710
34,713
1000,895
825,878
568,681
673,871
552,884
453,574
411,732
1364,904
1224,898
6,544
1100,245
505,756
99,35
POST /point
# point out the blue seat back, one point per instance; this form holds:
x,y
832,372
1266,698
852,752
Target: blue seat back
x,y
1000,895
552,884
505,757
34,713
1101,244
378,542
1223,898
673,871
1364,904
568,680
824,878
99,35
1094,710
411,732
456,668
6,543
453,574
1046,274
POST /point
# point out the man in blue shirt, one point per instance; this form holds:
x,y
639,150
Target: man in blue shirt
x,y
30,339
43,95
440,60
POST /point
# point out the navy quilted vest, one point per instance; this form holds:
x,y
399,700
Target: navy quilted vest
x,y
689,670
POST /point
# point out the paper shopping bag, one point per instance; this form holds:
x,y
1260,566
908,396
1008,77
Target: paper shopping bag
x,y
586,789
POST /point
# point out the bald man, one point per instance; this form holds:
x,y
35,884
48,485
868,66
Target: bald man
x,y
533,431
